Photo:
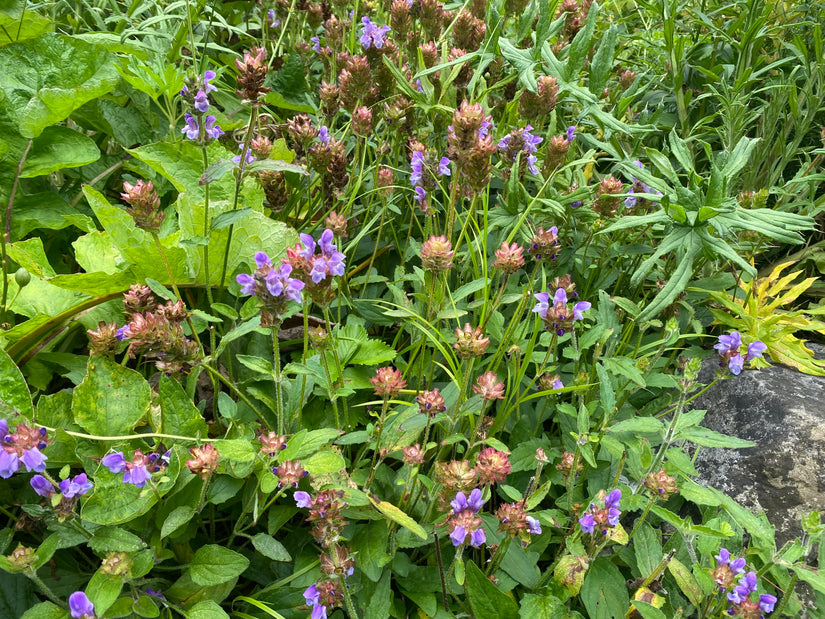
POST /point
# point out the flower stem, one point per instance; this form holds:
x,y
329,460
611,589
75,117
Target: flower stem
x,y
32,575
279,396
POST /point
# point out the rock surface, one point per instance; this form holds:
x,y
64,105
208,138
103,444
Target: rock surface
x,y
783,412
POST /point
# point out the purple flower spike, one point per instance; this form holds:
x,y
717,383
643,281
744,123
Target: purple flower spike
x,y
9,464
302,499
417,166
80,606
372,35
323,135
42,486
420,195
457,536
309,246
316,44
723,558
76,486
319,611
122,333
115,462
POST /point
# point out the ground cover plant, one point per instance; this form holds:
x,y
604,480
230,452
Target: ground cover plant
x,y
397,308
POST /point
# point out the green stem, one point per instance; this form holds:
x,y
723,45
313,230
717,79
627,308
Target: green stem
x,y
348,599
32,575
279,396
231,386
6,238
373,464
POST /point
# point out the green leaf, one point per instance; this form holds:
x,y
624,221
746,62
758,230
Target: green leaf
x,y
604,592
686,581
522,60
306,443
213,565
648,549
269,547
548,606
676,284
487,600
602,63
14,392
107,539
711,438
624,366
679,149
370,542
111,399
179,516
45,610
47,211
48,77
178,414
145,606
324,462
17,594
648,611
30,255
14,27
581,45
396,515
276,165
46,550
640,425
256,364
229,218
206,609
103,590
380,598
58,148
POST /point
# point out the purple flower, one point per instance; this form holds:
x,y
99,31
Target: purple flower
x,y
420,195
323,135
372,35
419,86
558,384
201,102
444,167
531,142
212,130
249,157
587,523
115,462
9,464
543,304
729,343
316,44
736,364
560,296
77,486
417,165
742,591
484,129
319,611
533,526
42,486
327,242
262,260
766,603
755,349
278,283
4,430
571,134
192,129
247,283
462,502
122,333
138,475
531,164
309,246
208,76
155,594
311,594
723,558
270,15
580,307
611,503
34,460
80,606
457,536
329,262
477,538
303,499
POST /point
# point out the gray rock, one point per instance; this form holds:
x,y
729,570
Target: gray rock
x,y
783,412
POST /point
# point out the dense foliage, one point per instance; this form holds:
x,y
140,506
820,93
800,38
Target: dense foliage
x,y
398,307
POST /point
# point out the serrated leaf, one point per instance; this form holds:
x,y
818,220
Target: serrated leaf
x,y
111,399
107,539
214,565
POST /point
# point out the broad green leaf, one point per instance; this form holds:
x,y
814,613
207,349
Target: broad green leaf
x,y
107,539
213,565
179,516
380,598
602,63
679,149
324,462
14,392
14,29
145,606
17,594
206,609
111,399
370,542
547,606
103,590
686,581
487,600
522,60
648,549
47,211
48,77
396,515
306,443
642,425
271,548
57,148
711,438
45,610
604,592
178,414
30,255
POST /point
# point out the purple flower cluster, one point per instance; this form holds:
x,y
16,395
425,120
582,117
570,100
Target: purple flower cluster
x,y
372,35
276,282
421,174
604,518
80,606
741,602
729,348
21,448
69,488
330,262
639,187
527,144
140,469
558,314
465,521
200,102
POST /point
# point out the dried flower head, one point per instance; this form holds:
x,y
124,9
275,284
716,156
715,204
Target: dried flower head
x,y
252,75
144,205
204,460
413,455
271,443
661,484
492,466
289,473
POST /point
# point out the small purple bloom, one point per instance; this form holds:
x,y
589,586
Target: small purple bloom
x,y
531,164
122,333
212,130
192,129
419,86
262,260
9,464
42,486
729,343
420,195
77,486
580,307
319,611
571,134
484,130
323,135
560,296
34,460
766,603
533,526
316,44
201,102
115,462
477,537
474,501
278,283
249,157
372,35
309,246
4,430
756,349
208,76
444,167
270,14
457,536
558,384
587,523
747,585
138,475
80,606
417,166
543,304
155,594
327,242
302,499
247,283
311,594
736,364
